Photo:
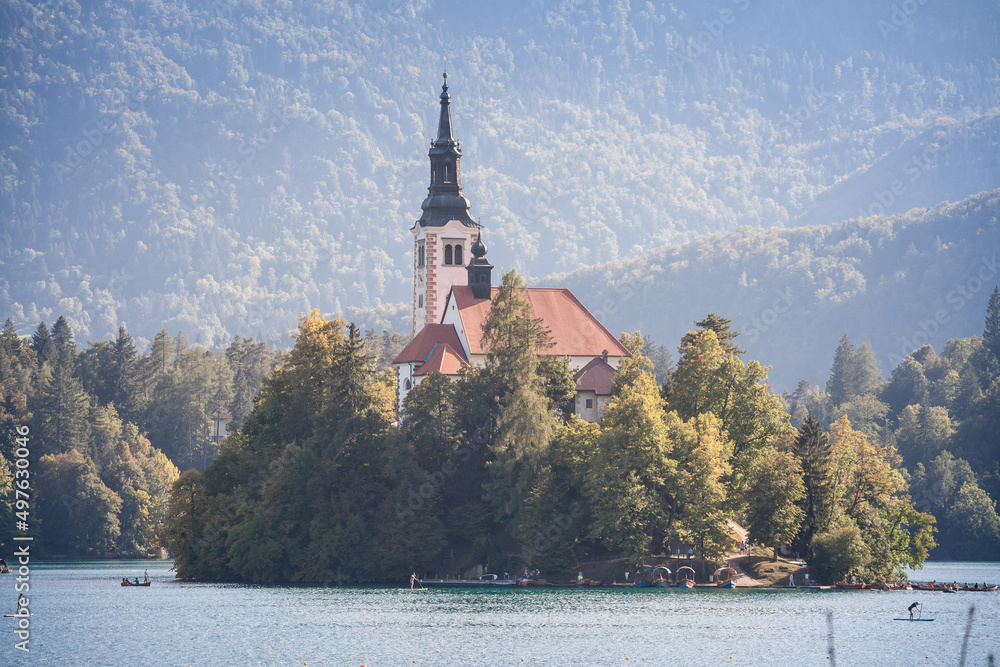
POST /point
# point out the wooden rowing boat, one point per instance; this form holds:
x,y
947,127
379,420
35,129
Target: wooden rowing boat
x,y
129,583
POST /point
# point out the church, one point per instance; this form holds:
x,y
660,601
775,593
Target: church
x,y
453,291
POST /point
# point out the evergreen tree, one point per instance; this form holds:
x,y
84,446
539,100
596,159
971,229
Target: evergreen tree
x,y
10,342
514,338
250,363
124,377
812,447
42,344
991,332
62,405
906,386
855,371
62,337
723,333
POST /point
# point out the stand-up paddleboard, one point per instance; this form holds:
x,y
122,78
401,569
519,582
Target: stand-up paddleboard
x,y
15,615
913,619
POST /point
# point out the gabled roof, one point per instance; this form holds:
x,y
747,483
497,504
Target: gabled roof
x,y
422,345
575,331
444,359
597,376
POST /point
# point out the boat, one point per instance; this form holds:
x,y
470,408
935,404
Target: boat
x,y
857,586
685,577
125,582
725,577
977,588
661,577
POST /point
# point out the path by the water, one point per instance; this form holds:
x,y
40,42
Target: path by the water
x,y
738,562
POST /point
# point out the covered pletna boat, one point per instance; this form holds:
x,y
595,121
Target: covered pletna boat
x,y
725,577
685,577
661,577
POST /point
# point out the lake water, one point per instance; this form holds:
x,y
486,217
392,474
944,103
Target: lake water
x,y
83,617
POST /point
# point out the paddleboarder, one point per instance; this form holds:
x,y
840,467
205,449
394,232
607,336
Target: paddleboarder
x,y
915,605
22,603
413,580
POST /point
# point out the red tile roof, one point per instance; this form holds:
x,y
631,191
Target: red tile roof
x,y
597,376
444,359
423,343
574,330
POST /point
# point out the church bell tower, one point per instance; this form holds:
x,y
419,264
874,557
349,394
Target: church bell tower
x,y
445,232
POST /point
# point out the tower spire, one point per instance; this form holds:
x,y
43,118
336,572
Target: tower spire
x,y
445,136
445,200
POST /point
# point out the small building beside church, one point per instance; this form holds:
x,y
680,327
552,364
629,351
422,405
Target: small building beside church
x,y
453,291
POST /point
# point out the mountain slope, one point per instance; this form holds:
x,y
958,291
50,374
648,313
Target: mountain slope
x,y
898,282
221,169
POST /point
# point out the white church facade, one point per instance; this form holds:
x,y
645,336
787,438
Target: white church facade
x,y
452,293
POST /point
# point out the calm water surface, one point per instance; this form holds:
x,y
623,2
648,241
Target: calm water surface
x,y
83,617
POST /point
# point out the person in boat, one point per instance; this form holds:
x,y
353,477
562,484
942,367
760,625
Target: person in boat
x,y
915,605
137,581
145,576
850,577
413,580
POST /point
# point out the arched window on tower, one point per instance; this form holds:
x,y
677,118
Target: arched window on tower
x,y
447,254
407,385
420,254
458,255
420,301
447,173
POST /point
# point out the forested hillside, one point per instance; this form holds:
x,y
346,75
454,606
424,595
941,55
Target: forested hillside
x,y
898,283
220,168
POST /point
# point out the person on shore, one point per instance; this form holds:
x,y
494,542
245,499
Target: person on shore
x,y
913,606
690,553
791,580
413,580
807,579
579,578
